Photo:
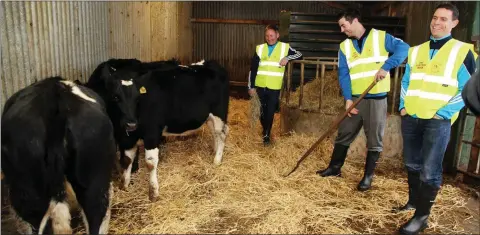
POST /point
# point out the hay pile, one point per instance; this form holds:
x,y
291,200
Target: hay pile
x,y
332,100
248,194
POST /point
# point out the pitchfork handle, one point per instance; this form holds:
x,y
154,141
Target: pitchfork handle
x,y
334,126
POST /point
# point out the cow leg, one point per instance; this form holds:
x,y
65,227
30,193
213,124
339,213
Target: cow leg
x,y
211,125
29,207
60,215
127,157
96,203
23,227
219,132
151,159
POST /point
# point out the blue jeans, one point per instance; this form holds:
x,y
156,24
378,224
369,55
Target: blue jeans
x,y
424,144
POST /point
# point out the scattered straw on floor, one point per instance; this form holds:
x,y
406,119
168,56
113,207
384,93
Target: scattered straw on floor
x,y
248,193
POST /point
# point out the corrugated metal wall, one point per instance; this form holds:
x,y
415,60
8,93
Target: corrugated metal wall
x,y
41,39
69,39
233,45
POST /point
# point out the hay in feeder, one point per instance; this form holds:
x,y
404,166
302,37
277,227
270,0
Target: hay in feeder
x,y
248,193
332,103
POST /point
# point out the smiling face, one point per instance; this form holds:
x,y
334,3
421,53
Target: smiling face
x,y
271,36
442,23
349,29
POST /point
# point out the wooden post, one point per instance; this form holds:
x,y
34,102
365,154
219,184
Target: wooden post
x,y
395,80
322,85
289,81
302,78
316,72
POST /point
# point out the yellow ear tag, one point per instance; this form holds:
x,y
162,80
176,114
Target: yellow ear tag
x,y
143,90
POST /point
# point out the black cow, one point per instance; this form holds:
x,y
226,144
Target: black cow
x,y
55,131
172,100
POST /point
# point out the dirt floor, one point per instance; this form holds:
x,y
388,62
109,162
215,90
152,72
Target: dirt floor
x,y
249,194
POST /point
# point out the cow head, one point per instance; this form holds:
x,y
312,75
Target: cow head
x,y
122,94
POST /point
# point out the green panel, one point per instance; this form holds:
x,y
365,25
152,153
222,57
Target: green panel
x,y
468,131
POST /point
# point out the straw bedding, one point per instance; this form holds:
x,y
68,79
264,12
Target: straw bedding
x,y
248,193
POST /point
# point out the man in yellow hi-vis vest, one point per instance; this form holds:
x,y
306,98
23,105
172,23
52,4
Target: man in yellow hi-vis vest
x,y
266,75
430,101
363,57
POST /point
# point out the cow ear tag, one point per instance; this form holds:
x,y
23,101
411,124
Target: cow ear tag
x,y
143,90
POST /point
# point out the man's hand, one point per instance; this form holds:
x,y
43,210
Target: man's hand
x,y
252,91
349,103
380,75
284,61
403,112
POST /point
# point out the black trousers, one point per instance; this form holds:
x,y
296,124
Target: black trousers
x,y
269,100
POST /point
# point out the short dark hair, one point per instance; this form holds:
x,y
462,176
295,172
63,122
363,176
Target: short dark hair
x,y
451,8
350,14
272,27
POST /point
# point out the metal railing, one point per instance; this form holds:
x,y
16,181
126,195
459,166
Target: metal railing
x,y
321,64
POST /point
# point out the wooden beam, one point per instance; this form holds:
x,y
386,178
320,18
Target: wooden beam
x,y
379,6
335,5
233,21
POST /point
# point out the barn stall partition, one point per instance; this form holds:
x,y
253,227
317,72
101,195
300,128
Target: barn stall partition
x,y
69,39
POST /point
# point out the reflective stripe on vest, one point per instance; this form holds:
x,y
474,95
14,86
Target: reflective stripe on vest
x,y
364,66
433,83
270,73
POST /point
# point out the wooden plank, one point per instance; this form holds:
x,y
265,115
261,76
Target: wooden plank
x,y
233,21
236,83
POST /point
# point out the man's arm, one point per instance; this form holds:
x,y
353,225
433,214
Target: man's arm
x,y
399,50
405,83
294,54
344,76
456,103
253,71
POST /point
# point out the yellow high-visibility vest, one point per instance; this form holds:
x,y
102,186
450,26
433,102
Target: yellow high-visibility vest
x,y
365,65
270,73
433,83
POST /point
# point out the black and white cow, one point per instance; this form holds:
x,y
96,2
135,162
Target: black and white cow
x,y
55,131
173,100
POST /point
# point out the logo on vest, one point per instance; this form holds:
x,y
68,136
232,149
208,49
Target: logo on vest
x,y
420,65
355,55
435,68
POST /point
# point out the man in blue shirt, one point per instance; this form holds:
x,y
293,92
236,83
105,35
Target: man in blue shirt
x,y
364,47
268,95
425,125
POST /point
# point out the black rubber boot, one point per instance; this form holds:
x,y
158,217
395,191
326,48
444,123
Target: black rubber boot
x,y
266,137
413,190
370,164
338,158
419,221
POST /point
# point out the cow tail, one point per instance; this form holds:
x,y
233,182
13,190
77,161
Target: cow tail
x,y
56,144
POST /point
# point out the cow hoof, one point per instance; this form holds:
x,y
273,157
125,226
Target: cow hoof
x,y
153,196
124,186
